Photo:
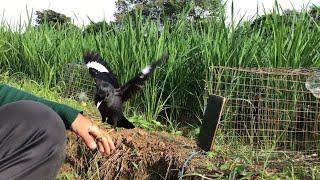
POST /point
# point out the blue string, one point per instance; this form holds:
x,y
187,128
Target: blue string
x,y
193,154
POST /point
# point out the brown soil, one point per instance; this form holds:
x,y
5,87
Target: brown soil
x,y
158,155
139,155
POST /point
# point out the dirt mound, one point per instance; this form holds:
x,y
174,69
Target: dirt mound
x,y
140,155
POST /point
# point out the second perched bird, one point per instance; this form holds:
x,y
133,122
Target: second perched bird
x,y
109,96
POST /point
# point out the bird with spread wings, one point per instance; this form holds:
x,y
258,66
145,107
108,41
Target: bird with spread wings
x,y
109,96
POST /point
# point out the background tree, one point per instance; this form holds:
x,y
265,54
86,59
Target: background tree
x,y
314,12
167,8
99,27
53,19
288,19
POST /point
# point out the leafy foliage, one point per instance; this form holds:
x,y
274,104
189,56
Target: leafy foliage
x,y
177,89
315,13
288,19
53,18
99,27
167,8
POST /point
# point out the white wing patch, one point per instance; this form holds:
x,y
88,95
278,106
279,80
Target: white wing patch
x,y
146,70
99,103
97,66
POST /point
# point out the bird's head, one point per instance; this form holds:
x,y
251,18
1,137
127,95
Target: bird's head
x,y
105,93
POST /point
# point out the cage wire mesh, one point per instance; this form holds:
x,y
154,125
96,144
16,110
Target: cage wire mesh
x,y
268,107
79,85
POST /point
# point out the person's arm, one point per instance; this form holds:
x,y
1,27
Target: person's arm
x,y
72,118
10,94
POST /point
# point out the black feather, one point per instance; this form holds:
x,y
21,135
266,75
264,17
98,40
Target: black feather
x,y
106,76
109,97
123,122
135,84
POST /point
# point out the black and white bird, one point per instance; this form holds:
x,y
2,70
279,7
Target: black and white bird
x,y
109,95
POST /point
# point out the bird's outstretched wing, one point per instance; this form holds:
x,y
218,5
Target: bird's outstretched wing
x,y
99,69
135,84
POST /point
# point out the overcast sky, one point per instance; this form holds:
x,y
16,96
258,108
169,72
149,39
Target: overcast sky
x,y
97,10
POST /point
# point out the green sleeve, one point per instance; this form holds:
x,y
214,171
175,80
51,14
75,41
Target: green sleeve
x,y
10,94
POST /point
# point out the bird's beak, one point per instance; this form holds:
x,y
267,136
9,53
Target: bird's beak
x,y
99,103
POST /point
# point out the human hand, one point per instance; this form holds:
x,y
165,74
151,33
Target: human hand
x,y
92,135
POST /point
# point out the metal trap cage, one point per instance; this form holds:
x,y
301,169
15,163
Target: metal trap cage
x,y
268,108
79,85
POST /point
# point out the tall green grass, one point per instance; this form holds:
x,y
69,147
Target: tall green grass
x,y
177,88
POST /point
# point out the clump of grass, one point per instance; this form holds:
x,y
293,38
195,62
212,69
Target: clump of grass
x,y
40,53
234,159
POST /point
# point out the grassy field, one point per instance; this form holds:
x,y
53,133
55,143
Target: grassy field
x,y
40,53
176,92
230,160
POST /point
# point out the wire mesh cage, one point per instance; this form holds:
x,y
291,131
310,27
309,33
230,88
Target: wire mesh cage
x,y
268,107
78,82
79,85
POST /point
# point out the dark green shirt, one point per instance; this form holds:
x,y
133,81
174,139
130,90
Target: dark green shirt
x,y
10,94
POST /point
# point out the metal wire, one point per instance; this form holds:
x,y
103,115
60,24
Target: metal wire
x,y
267,106
188,159
79,85
77,80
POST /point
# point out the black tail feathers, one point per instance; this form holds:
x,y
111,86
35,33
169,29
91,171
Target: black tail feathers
x,y
123,122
